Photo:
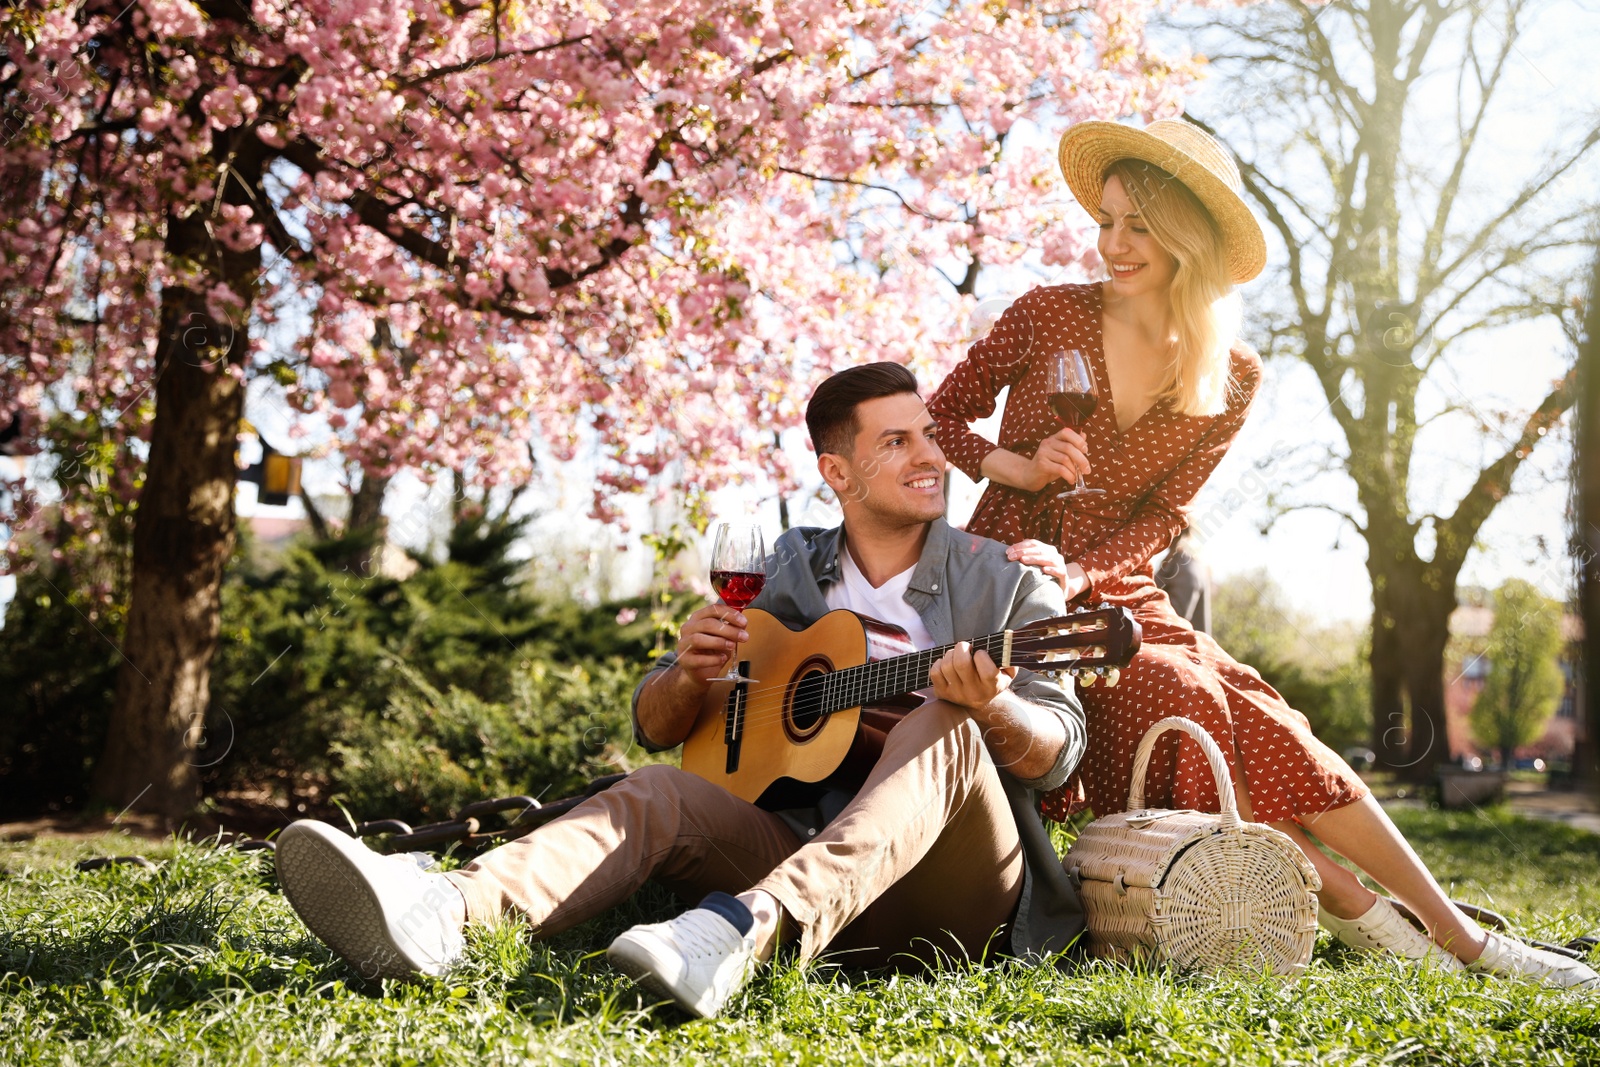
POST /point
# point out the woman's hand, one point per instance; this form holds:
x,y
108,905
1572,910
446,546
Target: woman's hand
x,y
1063,455
1048,558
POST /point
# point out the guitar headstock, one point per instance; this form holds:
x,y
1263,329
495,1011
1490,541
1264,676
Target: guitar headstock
x,y
1093,644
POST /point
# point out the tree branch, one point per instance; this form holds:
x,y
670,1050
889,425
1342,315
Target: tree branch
x,y
1456,534
867,185
460,68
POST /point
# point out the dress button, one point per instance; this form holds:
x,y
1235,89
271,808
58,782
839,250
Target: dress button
x,y
811,832
935,587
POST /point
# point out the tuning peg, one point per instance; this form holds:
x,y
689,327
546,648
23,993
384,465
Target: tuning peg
x,y
1086,678
1112,676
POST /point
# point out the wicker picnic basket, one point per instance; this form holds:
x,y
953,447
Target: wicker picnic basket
x,y
1201,891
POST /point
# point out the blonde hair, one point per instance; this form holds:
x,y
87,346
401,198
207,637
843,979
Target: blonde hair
x,y
1205,309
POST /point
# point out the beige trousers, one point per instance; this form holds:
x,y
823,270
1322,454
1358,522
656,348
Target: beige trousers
x,y
925,857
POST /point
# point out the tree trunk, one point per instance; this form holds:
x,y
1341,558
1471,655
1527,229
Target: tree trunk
x,y
1410,629
184,523
1429,746
1386,555
367,524
1586,538
1389,727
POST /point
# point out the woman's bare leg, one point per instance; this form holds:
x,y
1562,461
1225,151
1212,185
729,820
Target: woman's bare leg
x,y
1342,892
1363,834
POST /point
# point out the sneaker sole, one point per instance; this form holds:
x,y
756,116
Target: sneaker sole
x,y
335,901
639,963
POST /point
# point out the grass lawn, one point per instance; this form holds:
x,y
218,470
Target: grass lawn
x,y
202,961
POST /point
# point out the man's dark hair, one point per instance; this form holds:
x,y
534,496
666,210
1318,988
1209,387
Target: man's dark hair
x,y
831,415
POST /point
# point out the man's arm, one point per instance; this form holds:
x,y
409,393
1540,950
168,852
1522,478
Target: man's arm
x,y
670,698
1033,725
1024,738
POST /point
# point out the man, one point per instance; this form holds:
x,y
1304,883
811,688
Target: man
x,y
939,848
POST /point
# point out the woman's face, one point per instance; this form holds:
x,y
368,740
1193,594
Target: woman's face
x,y
1138,264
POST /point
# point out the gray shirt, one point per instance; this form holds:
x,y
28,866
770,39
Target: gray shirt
x,y
963,587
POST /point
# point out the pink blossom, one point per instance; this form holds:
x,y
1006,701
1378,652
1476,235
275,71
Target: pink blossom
x,y
636,233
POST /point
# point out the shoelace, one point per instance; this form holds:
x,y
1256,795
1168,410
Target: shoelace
x,y
702,934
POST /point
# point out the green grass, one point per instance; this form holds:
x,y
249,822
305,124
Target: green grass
x,y
202,961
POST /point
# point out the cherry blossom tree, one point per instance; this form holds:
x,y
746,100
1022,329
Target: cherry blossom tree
x,y
448,229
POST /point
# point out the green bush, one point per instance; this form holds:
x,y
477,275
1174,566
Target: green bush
x,y
1320,670
59,647
428,752
400,698
58,670
410,698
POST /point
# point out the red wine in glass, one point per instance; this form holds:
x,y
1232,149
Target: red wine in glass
x,y
738,571
1073,396
1073,409
737,588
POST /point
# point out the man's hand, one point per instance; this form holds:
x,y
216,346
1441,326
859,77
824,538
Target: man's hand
x,y
709,639
671,699
969,678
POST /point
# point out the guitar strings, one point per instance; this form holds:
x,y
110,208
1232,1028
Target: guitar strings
x,y
767,704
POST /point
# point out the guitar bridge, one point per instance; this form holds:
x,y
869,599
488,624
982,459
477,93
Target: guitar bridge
x,y
733,720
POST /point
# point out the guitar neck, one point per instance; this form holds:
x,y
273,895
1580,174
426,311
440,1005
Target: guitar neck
x,y
884,679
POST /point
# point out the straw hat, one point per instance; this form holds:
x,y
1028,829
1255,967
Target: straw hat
x,y
1187,153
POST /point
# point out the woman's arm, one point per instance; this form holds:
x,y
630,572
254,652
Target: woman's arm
x,y
997,361
1064,455
1160,517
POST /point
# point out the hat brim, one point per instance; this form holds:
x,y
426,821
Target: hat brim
x,y
1088,148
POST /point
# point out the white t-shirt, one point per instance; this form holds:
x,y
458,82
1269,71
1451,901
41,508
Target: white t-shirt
x,y
886,603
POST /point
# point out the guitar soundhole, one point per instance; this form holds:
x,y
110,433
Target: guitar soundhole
x,y
806,710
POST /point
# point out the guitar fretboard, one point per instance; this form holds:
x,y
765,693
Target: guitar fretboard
x,y
870,683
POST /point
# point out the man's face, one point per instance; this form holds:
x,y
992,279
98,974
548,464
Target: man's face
x,y
896,473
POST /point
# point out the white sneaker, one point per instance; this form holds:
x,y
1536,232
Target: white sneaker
x,y
384,914
1509,957
697,960
1383,929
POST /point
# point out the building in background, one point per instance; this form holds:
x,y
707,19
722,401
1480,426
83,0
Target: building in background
x,y
1466,669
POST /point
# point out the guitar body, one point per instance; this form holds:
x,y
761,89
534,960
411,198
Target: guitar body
x,y
779,732
819,690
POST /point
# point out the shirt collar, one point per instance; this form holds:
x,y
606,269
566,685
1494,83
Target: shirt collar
x,y
927,578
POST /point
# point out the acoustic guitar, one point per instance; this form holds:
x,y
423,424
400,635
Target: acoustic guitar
x,y
800,715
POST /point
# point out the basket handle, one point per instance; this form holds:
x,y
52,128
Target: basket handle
x,y
1219,766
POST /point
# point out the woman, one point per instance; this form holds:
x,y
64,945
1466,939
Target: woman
x,y
1175,386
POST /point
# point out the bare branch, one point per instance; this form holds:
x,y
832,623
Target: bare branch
x,y
460,68
1456,534
868,185
1490,228
1434,241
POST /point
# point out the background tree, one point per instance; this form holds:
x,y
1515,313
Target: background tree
x,y
1365,131
1586,529
1524,681
1320,669
651,226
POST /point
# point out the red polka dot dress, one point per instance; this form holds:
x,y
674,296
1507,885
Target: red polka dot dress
x,y
1150,475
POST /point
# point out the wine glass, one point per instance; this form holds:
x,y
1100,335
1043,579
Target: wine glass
x,y
1073,395
738,571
